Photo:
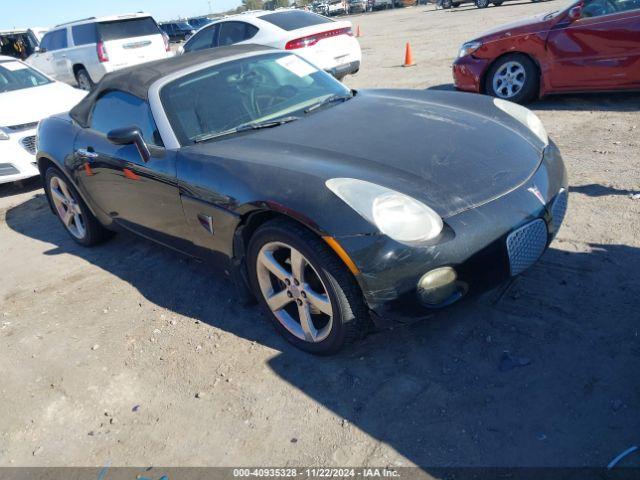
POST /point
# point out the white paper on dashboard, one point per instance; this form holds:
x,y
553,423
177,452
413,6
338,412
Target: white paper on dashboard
x,y
297,66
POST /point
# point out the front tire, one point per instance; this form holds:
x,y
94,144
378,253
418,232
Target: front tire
x,y
513,77
311,298
73,213
84,80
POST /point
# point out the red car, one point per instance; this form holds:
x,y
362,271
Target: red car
x,y
594,45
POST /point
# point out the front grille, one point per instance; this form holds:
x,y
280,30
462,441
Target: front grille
x,y
7,169
558,210
24,126
526,244
29,144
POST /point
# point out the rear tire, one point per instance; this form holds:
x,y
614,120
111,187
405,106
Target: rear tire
x,y
76,218
84,80
497,4
446,4
518,69
321,286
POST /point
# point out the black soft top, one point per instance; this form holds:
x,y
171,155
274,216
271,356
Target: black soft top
x,y
136,80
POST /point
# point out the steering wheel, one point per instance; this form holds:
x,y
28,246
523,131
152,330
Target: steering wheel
x,y
281,94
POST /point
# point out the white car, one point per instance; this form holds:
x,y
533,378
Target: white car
x,y
328,44
82,52
26,97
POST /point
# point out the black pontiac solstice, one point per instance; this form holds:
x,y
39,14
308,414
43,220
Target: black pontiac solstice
x,y
337,209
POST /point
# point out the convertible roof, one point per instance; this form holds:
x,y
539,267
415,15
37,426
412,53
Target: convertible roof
x,y
137,80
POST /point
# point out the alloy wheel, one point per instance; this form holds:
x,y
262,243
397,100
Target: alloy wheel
x,y
509,79
294,292
67,207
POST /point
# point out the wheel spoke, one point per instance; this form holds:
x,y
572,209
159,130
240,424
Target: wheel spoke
x,y
270,263
67,217
57,195
297,265
65,191
77,221
310,332
279,300
320,301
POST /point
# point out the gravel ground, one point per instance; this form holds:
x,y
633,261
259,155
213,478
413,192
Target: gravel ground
x,y
129,354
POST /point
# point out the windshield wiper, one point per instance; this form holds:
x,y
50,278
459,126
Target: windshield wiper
x,y
327,101
244,128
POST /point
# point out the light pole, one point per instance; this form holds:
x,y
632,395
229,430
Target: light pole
x,y
209,2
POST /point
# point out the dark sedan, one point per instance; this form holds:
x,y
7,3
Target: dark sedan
x,y
178,31
248,157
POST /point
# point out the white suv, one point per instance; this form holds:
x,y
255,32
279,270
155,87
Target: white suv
x,y
82,52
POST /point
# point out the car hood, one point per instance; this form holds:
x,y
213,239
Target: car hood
x,y
30,105
529,25
451,150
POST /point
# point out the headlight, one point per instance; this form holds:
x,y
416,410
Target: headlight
x,y
397,215
3,135
524,116
468,48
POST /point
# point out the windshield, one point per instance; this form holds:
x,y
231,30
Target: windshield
x,y
183,26
17,76
246,91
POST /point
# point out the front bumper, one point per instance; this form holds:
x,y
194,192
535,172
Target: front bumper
x,y
17,157
483,245
468,73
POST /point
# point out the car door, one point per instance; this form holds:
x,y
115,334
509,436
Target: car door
x,y
42,59
600,50
140,196
62,67
205,38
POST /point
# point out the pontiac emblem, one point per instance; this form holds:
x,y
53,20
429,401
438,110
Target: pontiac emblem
x,y
537,194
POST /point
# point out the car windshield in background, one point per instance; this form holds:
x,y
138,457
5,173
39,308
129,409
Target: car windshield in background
x,y
294,19
245,92
134,27
17,76
183,26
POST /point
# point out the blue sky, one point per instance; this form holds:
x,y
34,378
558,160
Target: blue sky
x,y
46,13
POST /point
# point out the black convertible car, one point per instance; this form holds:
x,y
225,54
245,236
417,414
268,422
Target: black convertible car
x,y
334,207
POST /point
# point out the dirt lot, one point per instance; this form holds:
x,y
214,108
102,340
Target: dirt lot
x,y
129,354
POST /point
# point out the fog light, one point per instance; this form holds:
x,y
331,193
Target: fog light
x,y
437,286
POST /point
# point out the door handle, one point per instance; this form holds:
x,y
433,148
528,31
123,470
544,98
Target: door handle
x,y
83,152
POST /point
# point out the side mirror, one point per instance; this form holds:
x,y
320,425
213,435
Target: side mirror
x,y
575,12
130,136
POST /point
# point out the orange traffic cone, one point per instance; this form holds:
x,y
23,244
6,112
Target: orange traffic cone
x,y
358,32
408,57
